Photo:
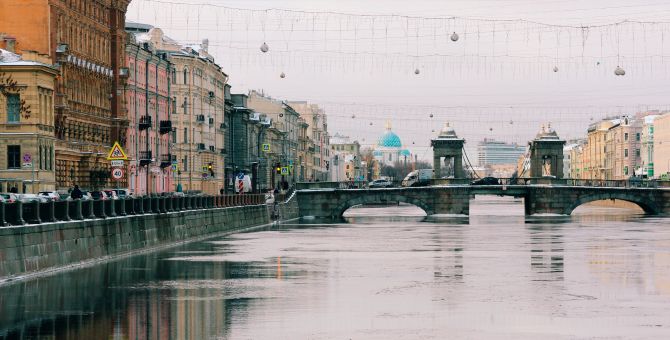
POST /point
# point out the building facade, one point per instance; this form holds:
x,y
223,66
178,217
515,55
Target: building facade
x,y
661,146
352,152
149,104
86,40
626,137
197,102
647,147
491,152
27,116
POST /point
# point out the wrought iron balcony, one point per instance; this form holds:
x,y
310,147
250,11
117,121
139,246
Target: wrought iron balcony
x,y
201,146
166,160
165,127
145,158
145,123
200,118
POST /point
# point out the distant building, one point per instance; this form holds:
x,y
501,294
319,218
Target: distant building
x,y
661,152
352,150
491,152
389,149
647,147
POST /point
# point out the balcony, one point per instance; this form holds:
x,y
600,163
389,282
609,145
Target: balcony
x,y
166,160
165,127
200,118
211,148
145,158
201,146
145,123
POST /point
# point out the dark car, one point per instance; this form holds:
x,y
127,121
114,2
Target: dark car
x,y
486,181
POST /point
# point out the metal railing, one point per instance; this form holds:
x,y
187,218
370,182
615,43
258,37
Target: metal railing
x,y
20,213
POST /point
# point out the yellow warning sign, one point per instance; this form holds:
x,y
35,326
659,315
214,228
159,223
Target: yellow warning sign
x,y
116,152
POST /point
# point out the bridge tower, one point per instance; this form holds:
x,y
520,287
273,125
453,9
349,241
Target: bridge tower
x,y
546,152
447,146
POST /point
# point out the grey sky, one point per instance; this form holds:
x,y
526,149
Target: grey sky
x,y
500,70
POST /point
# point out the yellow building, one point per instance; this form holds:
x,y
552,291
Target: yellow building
x,y
27,116
661,145
597,165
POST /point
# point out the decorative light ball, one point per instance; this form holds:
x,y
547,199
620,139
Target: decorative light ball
x,y
555,69
417,71
353,116
591,118
282,75
364,139
370,123
454,37
412,142
490,129
619,71
264,48
433,130
511,121
431,115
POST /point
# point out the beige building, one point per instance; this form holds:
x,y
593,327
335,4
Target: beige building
x,y
625,138
661,146
352,152
197,113
27,127
317,135
597,165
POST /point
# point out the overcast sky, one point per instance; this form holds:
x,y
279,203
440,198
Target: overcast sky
x,y
497,81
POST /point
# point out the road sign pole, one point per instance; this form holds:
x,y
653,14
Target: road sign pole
x,y
33,177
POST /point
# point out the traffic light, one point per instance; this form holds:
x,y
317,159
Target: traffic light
x,y
278,168
209,167
327,165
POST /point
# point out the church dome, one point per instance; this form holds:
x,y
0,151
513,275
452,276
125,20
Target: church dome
x,y
404,152
389,139
447,133
378,153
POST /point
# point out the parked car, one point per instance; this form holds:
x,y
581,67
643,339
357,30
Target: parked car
x,y
97,195
486,181
123,193
381,183
53,195
86,196
178,194
26,198
10,197
66,197
110,194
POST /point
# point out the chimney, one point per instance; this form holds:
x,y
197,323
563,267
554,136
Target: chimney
x,y
10,42
205,44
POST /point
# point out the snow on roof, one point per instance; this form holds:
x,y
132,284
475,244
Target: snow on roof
x,y
650,119
12,59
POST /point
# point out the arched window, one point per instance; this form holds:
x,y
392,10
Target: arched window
x,y
185,76
174,76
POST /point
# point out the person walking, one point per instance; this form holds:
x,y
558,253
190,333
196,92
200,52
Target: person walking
x,y
284,185
221,191
76,193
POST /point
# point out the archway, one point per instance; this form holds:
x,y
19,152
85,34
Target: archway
x,y
340,209
646,204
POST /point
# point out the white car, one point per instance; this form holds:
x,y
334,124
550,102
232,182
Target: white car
x,y
10,197
53,195
26,198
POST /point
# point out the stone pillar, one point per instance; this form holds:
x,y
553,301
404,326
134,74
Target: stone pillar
x,y
120,207
3,221
76,210
48,211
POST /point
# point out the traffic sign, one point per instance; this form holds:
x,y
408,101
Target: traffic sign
x,y
116,152
117,163
28,165
230,176
266,147
664,177
204,175
284,171
175,167
290,161
204,169
175,162
117,173
27,158
240,176
290,168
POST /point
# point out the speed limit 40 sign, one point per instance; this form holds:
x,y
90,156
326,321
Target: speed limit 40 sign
x,y
117,173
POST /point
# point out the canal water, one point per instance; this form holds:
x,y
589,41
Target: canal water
x,y
382,273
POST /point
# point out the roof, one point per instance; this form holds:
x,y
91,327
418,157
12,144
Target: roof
x,y
12,59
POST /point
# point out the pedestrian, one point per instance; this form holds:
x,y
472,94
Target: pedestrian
x,y
284,185
76,193
221,191
14,190
317,180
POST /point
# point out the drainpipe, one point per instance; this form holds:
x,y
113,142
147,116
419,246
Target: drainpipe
x,y
137,130
147,111
160,60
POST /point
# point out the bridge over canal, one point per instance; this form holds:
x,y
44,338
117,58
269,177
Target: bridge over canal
x,y
455,199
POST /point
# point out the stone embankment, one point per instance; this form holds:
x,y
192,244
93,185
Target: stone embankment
x,y
39,237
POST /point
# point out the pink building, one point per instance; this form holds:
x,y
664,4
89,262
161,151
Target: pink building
x,y
148,141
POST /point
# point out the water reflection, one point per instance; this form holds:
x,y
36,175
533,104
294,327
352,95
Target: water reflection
x,y
380,273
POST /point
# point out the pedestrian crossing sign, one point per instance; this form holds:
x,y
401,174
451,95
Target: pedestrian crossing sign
x,y
204,169
284,171
116,153
266,147
290,168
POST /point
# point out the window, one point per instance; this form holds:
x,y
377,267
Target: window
x,y
637,136
174,77
185,76
185,135
637,153
186,163
174,106
625,153
625,136
185,106
13,156
13,108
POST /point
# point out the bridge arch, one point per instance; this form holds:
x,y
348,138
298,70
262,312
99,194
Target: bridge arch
x,y
342,207
649,206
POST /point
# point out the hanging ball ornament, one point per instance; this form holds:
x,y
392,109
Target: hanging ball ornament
x,y
433,130
353,116
264,48
370,123
282,75
417,71
431,115
555,69
511,121
364,139
619,71
591,118
412,142
491,129
454,37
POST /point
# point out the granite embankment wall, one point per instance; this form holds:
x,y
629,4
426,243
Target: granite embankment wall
x,y
37,248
